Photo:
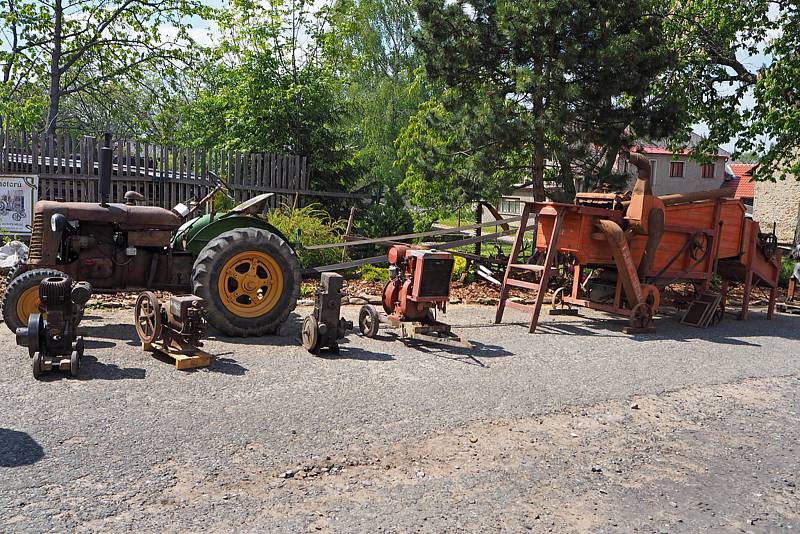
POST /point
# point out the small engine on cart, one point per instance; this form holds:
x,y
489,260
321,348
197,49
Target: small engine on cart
x,y
324,328
52,335
174,330
419,285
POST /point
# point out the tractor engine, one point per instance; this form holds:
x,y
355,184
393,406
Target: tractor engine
x,y
420,283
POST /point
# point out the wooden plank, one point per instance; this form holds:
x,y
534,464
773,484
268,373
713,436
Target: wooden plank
x,y
273,170
381,259
282,164
119,159
136,159
13,150
321,194
287,165
174,176
430,233
55,155
4,161
75,192
82,155
34,154
47,146
251,178
64,159
304,175
237,175
69,156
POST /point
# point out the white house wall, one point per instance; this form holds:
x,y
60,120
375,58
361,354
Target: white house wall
x,y
692,180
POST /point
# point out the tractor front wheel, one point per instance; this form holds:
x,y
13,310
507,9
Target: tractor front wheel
x,y
250,281
21,297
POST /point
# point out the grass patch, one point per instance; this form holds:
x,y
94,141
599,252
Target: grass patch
x,y
452,219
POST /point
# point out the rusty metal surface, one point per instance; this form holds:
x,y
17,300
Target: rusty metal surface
x,y
684,198
127,217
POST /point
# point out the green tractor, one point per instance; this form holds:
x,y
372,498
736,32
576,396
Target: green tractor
x,y
243,267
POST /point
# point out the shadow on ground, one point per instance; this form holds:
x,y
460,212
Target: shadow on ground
x,y
668,327
18,449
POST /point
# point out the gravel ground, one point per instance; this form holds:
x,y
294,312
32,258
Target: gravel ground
x,y
578,428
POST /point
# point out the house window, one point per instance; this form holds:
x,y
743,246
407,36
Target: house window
x,y
509,206
707,170
653,167
676,169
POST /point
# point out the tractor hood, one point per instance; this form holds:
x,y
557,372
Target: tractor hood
x,y
124,216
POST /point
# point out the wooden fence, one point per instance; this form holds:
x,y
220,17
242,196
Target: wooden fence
x,y
166,175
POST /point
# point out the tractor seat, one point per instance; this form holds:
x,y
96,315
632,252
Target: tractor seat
x,y
254,206
132,197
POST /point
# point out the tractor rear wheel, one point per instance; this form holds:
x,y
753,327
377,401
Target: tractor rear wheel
x,y
21,297
250,281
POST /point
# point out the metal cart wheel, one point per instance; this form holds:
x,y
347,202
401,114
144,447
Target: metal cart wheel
x,y
148,317
35,333
641,316
36,364
368,321
558,302
74,363
310,334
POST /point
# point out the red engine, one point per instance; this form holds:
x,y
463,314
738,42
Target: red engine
x,y
420,282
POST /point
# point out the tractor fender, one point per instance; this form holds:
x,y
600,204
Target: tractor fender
x,y
194,235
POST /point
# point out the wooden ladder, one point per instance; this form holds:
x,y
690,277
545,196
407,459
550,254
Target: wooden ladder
x,y
545,270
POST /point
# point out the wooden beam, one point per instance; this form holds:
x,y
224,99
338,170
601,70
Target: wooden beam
x,y
431,233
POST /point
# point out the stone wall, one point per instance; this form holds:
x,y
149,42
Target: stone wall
x,y
779,202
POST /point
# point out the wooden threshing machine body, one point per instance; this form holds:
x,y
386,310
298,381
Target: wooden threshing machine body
x,y
641,243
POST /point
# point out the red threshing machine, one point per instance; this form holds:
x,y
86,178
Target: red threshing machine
x,y
622,250
419,285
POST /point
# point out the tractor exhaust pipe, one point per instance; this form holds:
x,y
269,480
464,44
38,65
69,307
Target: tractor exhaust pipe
x,y
104,184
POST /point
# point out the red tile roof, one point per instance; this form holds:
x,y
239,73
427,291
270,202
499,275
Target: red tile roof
x,y
743,185
649,149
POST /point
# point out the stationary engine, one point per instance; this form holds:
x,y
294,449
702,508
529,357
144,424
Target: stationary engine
x,y
175,330
419,285
324,328
420,282
53,342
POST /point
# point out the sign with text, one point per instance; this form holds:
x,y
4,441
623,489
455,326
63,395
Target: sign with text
x,y
17,198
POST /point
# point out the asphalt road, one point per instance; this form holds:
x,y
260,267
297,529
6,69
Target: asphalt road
x,y
135,444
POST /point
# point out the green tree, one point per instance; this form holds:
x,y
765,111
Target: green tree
x,y
530,81
269,86
717,44
372,41
76,49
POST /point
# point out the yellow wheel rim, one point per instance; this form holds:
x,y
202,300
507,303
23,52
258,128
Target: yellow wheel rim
x,y
28,303
250,284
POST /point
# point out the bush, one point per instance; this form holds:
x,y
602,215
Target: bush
x,y
309,225
787,266
370,273
389,217
460,269
222,202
